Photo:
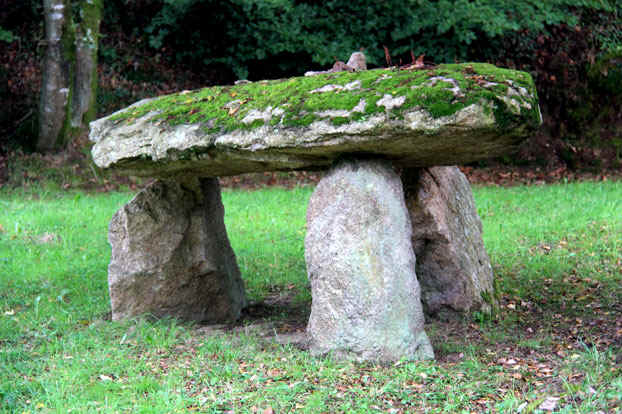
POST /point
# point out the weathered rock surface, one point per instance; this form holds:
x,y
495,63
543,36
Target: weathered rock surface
x,y
443,116
453,267
171,255
356,62
361,266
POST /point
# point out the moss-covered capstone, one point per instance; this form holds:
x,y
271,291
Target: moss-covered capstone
x,y
455,113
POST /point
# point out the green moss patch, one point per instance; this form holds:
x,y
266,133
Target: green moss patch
x,y
222,109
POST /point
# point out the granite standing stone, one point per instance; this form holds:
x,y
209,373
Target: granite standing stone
x,y
171,255
452,264
361,266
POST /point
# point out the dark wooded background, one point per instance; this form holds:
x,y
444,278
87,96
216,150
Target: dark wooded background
x,y
573,49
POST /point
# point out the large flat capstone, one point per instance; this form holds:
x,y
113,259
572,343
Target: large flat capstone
x,y
450,114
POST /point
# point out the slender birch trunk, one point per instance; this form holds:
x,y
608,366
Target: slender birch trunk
x,y
69,85
55,84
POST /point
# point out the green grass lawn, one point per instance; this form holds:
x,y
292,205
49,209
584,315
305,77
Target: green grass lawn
x,y
557,256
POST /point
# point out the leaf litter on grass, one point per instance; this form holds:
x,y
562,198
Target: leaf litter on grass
x,y
557,334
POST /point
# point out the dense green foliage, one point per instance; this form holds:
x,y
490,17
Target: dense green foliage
x,y
242,33
6,36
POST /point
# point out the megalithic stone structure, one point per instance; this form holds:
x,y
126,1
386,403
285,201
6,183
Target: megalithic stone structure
x,y
170,252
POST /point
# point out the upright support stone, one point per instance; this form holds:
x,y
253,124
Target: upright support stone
x,y
361,266
171,255
452,264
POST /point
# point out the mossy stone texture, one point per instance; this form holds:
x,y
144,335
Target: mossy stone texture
x,y
451,114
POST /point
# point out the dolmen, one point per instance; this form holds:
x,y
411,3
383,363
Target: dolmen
x,y
392,228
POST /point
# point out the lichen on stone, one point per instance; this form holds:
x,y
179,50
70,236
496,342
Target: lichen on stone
x,y
336,97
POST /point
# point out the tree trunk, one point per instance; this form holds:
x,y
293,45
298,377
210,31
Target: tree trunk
x,y
69,71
